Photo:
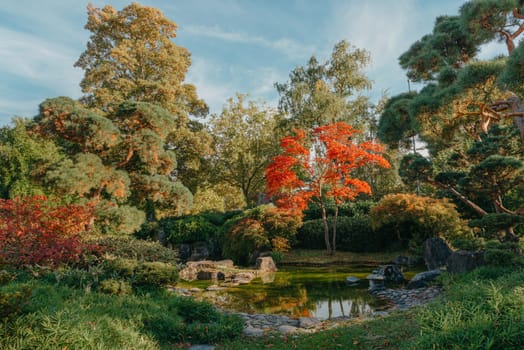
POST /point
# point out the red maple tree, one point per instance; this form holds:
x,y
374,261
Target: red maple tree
x,y
321,169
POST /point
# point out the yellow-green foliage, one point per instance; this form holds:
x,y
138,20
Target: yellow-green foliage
x,y
416,218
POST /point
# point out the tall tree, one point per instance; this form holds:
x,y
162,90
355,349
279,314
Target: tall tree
x,y
323,93
298,176
244,141
131,56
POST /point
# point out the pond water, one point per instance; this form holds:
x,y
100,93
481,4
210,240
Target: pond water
x,y
302,291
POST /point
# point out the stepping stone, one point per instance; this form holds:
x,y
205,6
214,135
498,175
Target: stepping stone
x,y
202,347
253,332
308,322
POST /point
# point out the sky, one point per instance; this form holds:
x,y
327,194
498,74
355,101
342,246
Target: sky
x,y
243,46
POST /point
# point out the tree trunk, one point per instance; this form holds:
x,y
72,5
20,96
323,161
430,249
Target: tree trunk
x,y
334,244
326,229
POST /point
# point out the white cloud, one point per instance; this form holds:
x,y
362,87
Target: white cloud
x,y
40,61
290,48
204,75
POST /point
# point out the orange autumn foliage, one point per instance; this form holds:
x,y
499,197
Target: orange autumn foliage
x,y
298,175
33,231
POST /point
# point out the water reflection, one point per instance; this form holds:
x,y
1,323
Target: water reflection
x,y
310,292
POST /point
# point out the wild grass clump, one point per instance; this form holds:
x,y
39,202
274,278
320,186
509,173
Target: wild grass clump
x,y
482,310
60,316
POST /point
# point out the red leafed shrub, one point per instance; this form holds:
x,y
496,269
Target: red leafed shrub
x,y
34,231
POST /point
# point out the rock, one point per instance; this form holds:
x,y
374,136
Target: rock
x,y
436,253
352,280
266,264
286,329
199,251
243,277
376,282
464,261
206,270
268,277
202,347
184,251
421,280
308,322
214,288
391,273
380,314
253,332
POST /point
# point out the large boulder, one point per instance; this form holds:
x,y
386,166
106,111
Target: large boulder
x,y
436,253
464,261
421,280
391,273
207,270
199,251
265,264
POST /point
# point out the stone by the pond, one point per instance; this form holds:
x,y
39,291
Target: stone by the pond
x,y
308,322
391,273
379,314
402,299
462,261
352,279
252,332
202,347
421,280
436,253
266,264
285,329
376,282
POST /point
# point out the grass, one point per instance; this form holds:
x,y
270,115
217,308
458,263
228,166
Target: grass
x,y
314,257
65,316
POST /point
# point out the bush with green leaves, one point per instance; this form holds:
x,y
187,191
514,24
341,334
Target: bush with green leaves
x,y
412,219
12,302
354,234
131,248
256,230
347,209
187,229
142,273
115,287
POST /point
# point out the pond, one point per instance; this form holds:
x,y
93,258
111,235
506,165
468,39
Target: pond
x,y
320,292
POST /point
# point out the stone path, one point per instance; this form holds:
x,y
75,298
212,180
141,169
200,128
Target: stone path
x,y
402,299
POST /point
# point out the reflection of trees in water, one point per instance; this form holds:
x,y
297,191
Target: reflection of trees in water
x,y
324,300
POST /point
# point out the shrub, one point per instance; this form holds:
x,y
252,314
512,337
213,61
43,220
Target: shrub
x,y
503,254
141,273
198,322
354,234
11,303
347,209
115,287
257,229
33,231
246,237
414,218
138,249
187,229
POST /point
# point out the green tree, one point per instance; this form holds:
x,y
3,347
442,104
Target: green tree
x,y
449,45
323,93
245,142
131,56
24,159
